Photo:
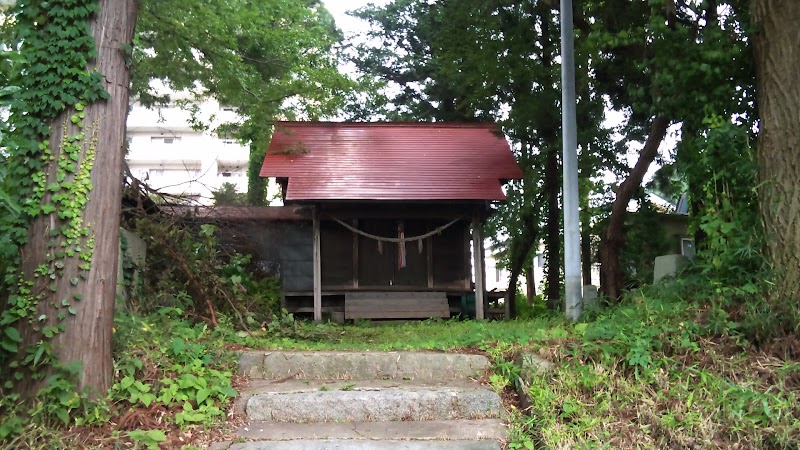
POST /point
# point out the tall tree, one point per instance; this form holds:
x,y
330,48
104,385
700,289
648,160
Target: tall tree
x,y
268,58
663,63
488,60
777,49
69,120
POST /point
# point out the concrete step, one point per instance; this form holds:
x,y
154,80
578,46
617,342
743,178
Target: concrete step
x,y
406,403
294,386
365,445
280,365
433,430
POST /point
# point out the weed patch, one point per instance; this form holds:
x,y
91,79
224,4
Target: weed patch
x,y
653,373
172,378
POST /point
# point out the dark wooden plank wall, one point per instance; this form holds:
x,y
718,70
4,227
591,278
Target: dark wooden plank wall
x,y
395,305
285,248
337,255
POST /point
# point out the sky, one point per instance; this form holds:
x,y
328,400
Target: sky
x,y
339,8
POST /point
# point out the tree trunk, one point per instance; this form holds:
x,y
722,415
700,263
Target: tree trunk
x,y
87,333
552,177
614,238
520,248
256,185
530,283
552,187
777,52
517,252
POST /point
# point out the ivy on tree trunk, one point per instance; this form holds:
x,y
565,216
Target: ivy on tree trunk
x,y
68,267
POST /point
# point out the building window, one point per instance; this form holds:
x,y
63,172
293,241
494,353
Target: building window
x,y
497,272
164,139
539,260
687,247
229,169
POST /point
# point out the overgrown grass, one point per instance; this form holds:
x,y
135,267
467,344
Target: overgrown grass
x,y
661,370
658,372
170,376
690,364
417,335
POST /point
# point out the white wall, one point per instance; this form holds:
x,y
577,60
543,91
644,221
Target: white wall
x,y
497,278
170,156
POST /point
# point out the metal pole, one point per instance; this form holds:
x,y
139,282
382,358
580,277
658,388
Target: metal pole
x,y
317,263
572,233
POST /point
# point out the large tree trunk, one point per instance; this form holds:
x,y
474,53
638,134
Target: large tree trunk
x,y
552,176
614,237
552,187
530,283
777,51
87,332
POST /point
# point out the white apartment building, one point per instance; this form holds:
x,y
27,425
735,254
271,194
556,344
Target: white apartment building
x,y
166,153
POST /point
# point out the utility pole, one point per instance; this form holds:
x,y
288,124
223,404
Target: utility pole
x,y
572,232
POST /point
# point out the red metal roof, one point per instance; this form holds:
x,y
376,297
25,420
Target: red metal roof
x,y
390,161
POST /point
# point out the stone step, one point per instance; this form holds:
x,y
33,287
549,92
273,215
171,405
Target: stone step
x,y
312,404
365,445
281,365
433,430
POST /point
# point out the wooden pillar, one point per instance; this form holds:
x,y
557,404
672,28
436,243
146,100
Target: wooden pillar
x,y
317,269
355,256
429,257
477,264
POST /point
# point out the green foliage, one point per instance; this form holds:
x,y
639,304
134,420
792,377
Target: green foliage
x,y
488,61
417,335
187,267
645,238
161,361
150,439
528,309
185,366
40,79
283,66
732,248
659,371
226,195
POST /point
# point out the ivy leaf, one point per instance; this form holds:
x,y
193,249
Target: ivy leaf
x,y
157,435
13,334
202,395
9,347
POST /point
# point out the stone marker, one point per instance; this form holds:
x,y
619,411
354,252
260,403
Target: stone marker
x,y
668,266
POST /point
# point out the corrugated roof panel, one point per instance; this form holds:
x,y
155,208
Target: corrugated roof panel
x,y
390,161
